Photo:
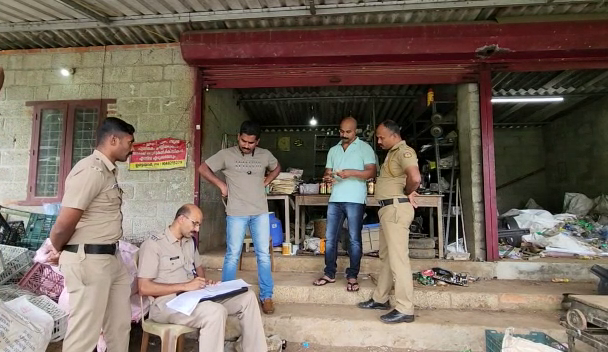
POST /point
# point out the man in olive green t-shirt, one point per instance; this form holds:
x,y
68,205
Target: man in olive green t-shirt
x,y
245,168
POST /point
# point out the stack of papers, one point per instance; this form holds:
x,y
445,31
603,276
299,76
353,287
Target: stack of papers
x,y
286,176
287,186
186,302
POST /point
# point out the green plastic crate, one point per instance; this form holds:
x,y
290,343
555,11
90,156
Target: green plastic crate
x,y
38,229
494,340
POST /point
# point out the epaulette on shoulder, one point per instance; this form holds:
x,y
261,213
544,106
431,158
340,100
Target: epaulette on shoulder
x,y
155,237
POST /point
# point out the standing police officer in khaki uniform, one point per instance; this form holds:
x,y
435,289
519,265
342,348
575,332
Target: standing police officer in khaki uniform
x,y
399,176
169,263
87,232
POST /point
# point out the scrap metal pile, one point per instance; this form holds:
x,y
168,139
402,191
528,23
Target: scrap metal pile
x,y
580,232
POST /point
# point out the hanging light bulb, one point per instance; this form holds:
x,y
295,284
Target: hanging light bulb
x,y
313,121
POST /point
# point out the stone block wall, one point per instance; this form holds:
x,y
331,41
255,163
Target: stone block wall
x,y
153,88
518,152
576,148
222,116
471,172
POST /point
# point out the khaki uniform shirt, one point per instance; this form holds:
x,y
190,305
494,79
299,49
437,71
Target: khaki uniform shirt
x,y
91,186
391,181
167,260
245,175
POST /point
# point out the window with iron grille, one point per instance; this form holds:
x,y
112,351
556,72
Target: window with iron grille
x,y
63,133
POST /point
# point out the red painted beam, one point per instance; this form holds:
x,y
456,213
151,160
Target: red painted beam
x,y
445,42
197,133
489,169
259,76
333,80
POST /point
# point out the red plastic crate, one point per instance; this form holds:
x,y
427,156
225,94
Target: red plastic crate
x,y
43,280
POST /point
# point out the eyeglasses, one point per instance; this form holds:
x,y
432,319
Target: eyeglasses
x,y
194,223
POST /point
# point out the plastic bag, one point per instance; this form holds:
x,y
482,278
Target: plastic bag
x,y
51,208
535,220
128,252
24,327
511,343
601,205
43,254
531,204
577,204
313,244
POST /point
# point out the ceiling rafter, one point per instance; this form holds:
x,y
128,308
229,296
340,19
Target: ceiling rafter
x,y
267,13
86,11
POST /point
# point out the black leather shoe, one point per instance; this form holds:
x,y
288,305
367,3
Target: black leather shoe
x,y
395,317
371,304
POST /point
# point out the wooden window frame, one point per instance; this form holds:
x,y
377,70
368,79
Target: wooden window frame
x,y
68,108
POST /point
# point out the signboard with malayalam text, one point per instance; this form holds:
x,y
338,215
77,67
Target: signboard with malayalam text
x,y
162,154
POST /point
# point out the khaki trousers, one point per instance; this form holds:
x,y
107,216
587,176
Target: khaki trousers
x,y
210,318
99,290
394,253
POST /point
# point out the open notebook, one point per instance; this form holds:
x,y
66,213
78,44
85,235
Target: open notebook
x,y
186,302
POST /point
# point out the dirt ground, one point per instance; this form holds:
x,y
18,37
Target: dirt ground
x,y
192,346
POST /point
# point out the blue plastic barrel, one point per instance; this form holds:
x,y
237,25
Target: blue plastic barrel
x,y
276,231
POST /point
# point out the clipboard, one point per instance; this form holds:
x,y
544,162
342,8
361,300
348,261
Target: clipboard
x,y
223,295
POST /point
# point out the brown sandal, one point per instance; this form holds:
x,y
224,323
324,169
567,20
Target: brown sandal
x,y
324,281
352,286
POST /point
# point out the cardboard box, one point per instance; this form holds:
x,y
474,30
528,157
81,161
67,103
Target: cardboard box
x,y
370,237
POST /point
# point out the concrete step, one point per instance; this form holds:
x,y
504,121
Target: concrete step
x,y
539,270
492,295
437,330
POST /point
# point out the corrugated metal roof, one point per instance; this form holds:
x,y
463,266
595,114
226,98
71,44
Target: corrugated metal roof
x,y
65,23
577,86
296,106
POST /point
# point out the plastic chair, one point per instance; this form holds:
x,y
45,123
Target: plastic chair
x,y
171,335
270,248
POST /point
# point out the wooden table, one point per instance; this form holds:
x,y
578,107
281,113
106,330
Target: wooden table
x,y
424,201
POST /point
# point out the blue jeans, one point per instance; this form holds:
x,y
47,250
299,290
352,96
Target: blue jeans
x,y
336,211
259,226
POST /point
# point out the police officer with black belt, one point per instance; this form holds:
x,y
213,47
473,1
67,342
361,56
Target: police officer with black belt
x,y
85,238
396,192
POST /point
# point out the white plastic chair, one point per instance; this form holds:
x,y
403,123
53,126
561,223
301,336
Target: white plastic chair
x,y
171,335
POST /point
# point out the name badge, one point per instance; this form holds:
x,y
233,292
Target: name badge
x,y
174,258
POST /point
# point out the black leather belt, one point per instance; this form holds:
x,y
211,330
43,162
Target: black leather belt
x,y
93,248
386,202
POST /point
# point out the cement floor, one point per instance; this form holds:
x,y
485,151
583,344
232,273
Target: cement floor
x,y
192,346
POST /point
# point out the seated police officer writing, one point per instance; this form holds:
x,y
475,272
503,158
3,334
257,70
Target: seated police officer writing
x,y
169,263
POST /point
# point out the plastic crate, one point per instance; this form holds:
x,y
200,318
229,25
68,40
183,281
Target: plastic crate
x,y
5,228
14,262
37,231
43,280
60,317
10,292
494,340
11,232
